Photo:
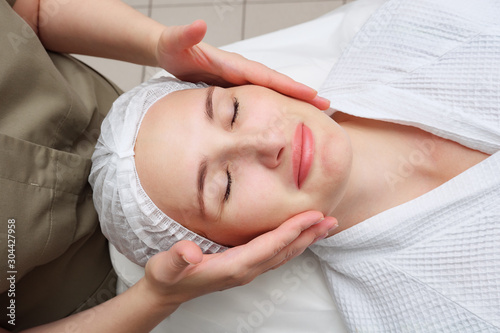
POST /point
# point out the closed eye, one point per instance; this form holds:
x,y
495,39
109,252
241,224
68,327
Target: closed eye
x,y
236,111
228,187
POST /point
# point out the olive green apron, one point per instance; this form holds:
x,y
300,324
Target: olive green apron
x,y
51,108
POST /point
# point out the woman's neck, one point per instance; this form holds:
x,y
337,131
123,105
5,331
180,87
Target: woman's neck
x,y
393,164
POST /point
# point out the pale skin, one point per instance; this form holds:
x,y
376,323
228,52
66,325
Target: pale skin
x,y
182,273
251,180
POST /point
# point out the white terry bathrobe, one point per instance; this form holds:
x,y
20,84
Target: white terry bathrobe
x,y
431,264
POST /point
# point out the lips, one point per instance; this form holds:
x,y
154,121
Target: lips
x,y
302,153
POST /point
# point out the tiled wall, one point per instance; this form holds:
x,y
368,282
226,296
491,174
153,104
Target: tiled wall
x,y
228,21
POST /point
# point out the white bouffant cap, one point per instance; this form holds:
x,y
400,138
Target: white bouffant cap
x,y
129,218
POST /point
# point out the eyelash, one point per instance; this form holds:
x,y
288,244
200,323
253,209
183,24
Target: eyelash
x,y
229,179
236,111
228,188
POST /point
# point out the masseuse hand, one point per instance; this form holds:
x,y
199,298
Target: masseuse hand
x,y
183,272
181,52
128,35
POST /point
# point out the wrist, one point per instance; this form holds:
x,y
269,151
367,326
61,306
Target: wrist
x,y
152,46
155,300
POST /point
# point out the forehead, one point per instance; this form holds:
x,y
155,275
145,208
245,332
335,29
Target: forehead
x,y
167,153
178,103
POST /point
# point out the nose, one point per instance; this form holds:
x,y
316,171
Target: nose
x,y
266,147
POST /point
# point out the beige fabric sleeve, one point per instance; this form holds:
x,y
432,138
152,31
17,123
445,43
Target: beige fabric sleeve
x,y
50,114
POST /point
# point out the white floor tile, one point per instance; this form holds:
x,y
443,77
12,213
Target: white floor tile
x,y
224,25
282,1
262,18
137,3
191,2
150,71
125,75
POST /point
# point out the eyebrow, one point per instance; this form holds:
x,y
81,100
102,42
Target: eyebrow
x,y
202,174
202,169
209,109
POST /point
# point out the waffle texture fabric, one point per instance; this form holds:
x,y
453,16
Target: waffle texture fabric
x,y
433,263
129,218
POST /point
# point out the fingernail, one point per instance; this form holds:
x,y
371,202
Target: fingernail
x,y
334,226
324,99
319,238
184,258
321,219
321,100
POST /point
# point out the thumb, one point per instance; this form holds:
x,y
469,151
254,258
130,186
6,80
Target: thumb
x,y
179,38
169,266
185,253
195,32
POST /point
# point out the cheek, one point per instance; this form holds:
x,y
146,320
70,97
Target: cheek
x,y
335,151
336,160
269,114
260,201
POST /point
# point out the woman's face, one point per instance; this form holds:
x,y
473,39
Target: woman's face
x,y
231,164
